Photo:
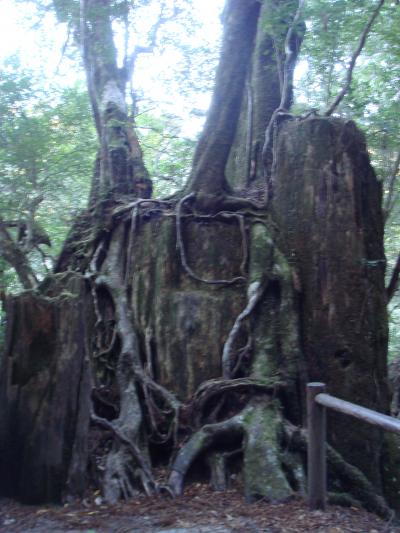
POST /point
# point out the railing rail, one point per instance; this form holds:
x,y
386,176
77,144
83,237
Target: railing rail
x,y
317,402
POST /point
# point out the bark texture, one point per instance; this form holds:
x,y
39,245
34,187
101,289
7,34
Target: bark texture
x,y
262,91
45,394
212,152
327,203
185,336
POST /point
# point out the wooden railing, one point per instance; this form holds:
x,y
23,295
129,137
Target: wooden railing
x,y
317,402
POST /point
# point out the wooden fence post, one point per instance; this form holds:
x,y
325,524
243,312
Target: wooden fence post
x,y
316,454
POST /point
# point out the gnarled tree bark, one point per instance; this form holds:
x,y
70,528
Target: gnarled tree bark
x,y
188,334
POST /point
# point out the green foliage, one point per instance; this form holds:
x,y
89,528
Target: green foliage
x,y
47,148
334,29
167,155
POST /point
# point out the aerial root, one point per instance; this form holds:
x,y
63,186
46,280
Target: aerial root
x,y
255,293
255,430
212,388
128,462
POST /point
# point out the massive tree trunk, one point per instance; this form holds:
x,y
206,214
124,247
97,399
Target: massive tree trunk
x,y
327,204
190,327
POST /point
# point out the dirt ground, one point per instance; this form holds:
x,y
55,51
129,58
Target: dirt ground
x,y
199,510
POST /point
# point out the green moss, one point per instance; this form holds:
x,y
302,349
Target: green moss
x,y
263,364
261,252
281,268
263,474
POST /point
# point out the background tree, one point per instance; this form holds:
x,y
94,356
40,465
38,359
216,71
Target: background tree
x,y
47,145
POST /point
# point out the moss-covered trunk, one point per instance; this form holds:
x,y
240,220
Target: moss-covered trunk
x,y
189,327
262,92
206,329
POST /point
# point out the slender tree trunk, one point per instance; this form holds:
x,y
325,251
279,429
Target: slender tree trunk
x,y
262,93
212,152
119,172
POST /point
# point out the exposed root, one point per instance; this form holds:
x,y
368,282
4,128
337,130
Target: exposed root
x,y
132,232
358,484
128,428
218,473
343,499
242,354
117,481
263,472
198,443
257,426
217,462
150,485
120,210
215,387
245,246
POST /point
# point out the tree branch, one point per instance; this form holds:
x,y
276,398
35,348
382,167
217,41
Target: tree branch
x,y
390,198
15,256
394,280
354,58
289,57
32,206
64,48
130,60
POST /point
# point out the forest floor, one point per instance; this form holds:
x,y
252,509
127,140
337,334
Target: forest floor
x,y
199,510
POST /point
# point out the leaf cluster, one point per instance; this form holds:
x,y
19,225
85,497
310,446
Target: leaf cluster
x,y
47,149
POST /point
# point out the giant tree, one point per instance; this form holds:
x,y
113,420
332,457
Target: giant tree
x,y
183,330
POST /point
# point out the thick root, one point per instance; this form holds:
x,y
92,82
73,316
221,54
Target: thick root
x,y
218,471
129,454
198,443
262,468
118,478
258,426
